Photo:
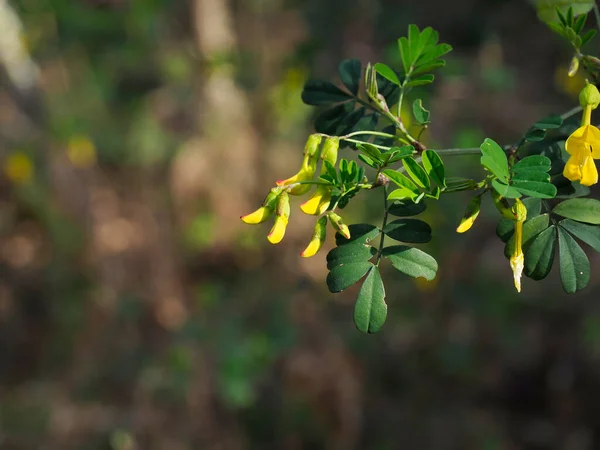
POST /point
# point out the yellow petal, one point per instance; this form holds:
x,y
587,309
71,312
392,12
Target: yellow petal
x,y
576,141
516,264
313,247
589,172
593,138
317,203
260,215
278,230
572,170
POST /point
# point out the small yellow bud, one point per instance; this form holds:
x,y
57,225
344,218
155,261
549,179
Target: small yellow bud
x,y
267,209
517,260
589,96
339,225
471,213
318,238
281,220
330,150
573,67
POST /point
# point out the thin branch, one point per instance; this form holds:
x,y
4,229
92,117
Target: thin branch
x,y
385,219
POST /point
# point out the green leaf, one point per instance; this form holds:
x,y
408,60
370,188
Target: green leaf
x,y
405,53
411,261
494,159
580,209
401,180
387,73
535,135
420,113
531,228
588,36
535,188
531,175
404,208
455,184
434,167
573,262
355,252
359,232
371,151
350,71
399,153
590,234
539,255
319,92
434,53
505,190
409,230
420,80
368,161
534,207
580,23
534,162
416,172
403,193
344,276
428,67
550,122
546,9
370,309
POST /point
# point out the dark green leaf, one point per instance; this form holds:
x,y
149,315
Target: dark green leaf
x,y
404,208
549,122
319,92
535,135
434,167
547,9
494,159
411,261
588,36
590,234
409,230
416,172
344,276
580,23
371,151
420,113
535,188
455,184
350,74
399,153
357,251
534,207
531,229
359,232
539,255
330,119
580,209
505,229
370,309
368,161
573,262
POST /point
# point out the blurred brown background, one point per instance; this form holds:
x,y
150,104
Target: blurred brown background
x,y
138,312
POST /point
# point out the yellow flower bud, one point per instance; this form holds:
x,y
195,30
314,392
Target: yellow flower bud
x,y
308,168
471,213
589,96
573,67
330,150
318,203
281,220
267,209
339,224
318,237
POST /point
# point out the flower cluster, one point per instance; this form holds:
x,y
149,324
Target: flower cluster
x,y
277,202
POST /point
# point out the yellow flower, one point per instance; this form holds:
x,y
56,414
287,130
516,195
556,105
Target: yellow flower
x,y
282,215
19,168
267,209
319,202
584,144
